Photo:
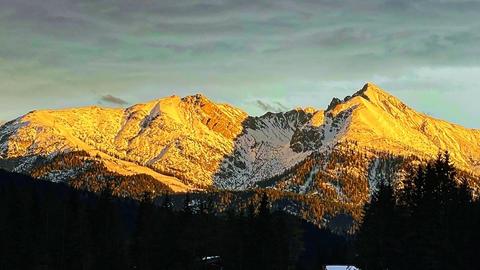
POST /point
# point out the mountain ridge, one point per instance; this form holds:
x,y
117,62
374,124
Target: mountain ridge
x,y
193,143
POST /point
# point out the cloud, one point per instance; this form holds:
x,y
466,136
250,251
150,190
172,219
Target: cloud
x,y
271,107
281,106
113,100
234,50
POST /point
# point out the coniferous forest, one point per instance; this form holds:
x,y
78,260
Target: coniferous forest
x,y
46,225
430,222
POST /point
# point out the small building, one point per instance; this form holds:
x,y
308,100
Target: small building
x,y
341,267
211,263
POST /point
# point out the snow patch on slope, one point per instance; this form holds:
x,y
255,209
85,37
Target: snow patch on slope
x,y
309,181
260,154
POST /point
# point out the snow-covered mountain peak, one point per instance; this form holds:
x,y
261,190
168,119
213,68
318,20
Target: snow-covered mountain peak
x,y
310,110
202,143
369,89
369,92
371,101
379,97
198,98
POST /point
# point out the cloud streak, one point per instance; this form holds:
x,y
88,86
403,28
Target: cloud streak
x,y
113,100
271,107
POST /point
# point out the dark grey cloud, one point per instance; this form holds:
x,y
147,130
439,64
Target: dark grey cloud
x,y
113,100
281,106
271,107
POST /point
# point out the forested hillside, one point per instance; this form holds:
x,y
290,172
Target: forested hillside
x,y
48,225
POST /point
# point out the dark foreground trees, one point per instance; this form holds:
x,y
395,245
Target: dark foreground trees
x,y
432,223
51,226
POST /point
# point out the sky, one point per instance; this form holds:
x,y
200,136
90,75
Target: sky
x,y
257,55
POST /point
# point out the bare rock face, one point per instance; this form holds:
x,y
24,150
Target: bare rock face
x,y
193,143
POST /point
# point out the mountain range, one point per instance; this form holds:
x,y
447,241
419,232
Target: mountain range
x,y
194,144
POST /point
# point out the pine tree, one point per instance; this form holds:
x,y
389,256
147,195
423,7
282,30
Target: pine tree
x,y
106,233
187,207
142,242
375,242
